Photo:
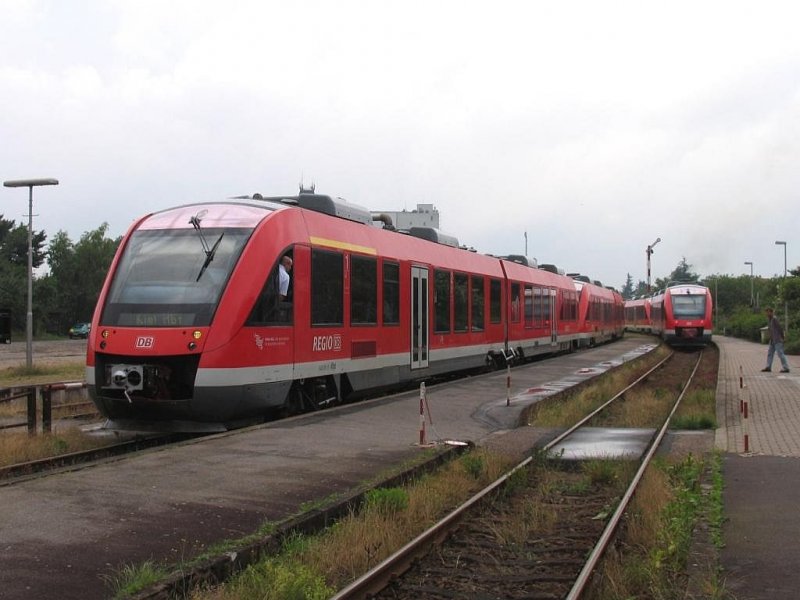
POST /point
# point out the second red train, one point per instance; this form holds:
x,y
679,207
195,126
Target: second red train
x,y
681,314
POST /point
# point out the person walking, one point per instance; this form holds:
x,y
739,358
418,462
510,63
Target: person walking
x,y
775,342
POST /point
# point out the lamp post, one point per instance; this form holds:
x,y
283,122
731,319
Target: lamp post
x,y
30,184
649,252
785,301
752,297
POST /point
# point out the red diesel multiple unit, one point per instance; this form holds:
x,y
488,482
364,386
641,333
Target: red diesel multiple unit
x,y
637,315
682,314
190,330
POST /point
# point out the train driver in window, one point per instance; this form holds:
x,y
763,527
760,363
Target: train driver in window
x,y
284,269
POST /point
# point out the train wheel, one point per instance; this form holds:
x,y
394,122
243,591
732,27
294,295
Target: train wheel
x,y
311,395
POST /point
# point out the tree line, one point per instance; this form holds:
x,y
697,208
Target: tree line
x,y
67,277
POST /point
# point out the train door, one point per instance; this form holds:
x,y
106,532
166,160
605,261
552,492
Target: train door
x,y
419,317
553,316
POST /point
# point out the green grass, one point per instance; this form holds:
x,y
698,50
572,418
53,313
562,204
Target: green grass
x,y
652,559
21,375
129,578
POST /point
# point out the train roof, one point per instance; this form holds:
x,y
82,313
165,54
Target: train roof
x,y
338,207
433,235
249,210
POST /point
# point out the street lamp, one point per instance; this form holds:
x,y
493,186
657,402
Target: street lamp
x,y
649,252
752,298
785,301
30,184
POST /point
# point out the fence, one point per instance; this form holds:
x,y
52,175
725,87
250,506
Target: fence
x,y
39,403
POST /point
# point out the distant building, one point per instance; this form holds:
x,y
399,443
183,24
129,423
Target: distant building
x,y
425,215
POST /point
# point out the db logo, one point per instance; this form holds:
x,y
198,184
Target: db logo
x,y
145,342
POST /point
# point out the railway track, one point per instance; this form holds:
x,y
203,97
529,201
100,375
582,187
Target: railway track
x,y
484,549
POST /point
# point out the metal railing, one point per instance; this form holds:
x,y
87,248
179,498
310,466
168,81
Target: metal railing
x,y
39,404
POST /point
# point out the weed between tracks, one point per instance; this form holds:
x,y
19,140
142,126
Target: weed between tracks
x,y
651,556
20,447
563,410
644,406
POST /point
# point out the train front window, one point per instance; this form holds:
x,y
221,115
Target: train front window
x,y
688,306
168,278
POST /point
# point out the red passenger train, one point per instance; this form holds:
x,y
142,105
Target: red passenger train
x,y
637,315
681,314
191,332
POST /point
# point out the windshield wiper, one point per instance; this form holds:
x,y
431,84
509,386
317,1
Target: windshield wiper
x,y
209,256
195,221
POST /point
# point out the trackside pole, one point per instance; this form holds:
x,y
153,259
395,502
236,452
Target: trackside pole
x,y
744,427
422,414
744,409
741,387
508,384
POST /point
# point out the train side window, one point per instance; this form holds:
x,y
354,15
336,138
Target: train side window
x,y
515,303
363,290
478,297
391,293
269,308
495,301
441,301
327,284
569,306
528,306
538,307
461,301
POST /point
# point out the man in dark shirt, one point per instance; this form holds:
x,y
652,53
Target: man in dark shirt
x,y
775,342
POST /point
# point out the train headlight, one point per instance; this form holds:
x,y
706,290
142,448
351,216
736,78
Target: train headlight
x,y
196,334
105,333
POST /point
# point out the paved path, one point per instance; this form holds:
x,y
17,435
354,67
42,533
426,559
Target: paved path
x,y
761,557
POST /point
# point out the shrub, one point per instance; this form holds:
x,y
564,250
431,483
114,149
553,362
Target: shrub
x,y
474,464
745,324
387,501
792,343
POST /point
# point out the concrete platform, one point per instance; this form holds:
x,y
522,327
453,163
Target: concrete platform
x,y
761,556
65,532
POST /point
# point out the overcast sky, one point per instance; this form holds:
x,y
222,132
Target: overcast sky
x,y
595,127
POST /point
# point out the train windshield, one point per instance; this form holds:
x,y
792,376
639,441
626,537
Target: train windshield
x,y
170,278
689,306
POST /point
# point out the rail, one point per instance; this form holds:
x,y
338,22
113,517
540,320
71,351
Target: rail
x,y
605,539
372,582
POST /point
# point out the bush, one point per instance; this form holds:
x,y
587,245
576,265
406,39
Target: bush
x,y
792,343
745,324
